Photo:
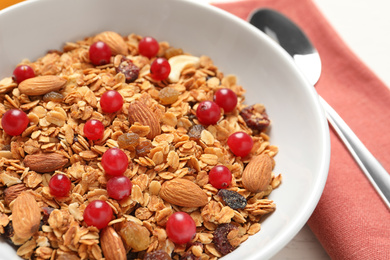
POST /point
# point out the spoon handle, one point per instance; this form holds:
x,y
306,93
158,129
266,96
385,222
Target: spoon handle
x,y
374,171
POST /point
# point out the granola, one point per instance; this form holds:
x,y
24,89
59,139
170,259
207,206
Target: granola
x,y
166,145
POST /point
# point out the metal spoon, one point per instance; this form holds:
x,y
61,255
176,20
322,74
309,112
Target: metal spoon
x,y
307,59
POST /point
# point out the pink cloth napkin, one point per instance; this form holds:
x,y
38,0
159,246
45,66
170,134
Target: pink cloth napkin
x,y
350,220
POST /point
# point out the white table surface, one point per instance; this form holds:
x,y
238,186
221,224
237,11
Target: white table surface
x,y
364,26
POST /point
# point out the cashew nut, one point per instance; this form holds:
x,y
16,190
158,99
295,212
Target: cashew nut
x,y
179,63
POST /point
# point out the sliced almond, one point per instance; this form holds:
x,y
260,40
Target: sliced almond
x,y
43,162
179,63
139,112
41,85
258,173
114,41
112,245
184,193
26,215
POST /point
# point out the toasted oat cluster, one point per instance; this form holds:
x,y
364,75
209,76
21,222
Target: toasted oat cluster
x,y
170,155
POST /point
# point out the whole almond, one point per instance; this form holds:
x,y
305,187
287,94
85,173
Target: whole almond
x,y
258,173
112,245
26,215
41,85
13,192
184,193
45,162
141,113
114,41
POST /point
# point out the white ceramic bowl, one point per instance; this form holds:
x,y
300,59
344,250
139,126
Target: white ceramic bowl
x,y
30,29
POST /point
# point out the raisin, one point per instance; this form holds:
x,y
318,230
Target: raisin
x,y
128,141
220,239
143,148
128,68
53,96
157,255
8,233
171,51
195,132
232,199
46,214
189,256
168,95
255,117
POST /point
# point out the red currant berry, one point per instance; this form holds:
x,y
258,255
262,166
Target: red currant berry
x,y
220,177
14,122
148,47
180,228
240,143
119,187
93,129
208,112
111,101
98,213
99,53
23,72
226,99
115,162
160,69
59,185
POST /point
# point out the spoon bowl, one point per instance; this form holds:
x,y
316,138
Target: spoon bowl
x,y
306,57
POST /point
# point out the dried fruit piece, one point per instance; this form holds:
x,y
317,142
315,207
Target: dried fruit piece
x,y
143,148
26,215
129,69
168,95
195,132
157,255
255,117
232,199
43,162
128,140
220,238
171,52
134,235
53,96
189,256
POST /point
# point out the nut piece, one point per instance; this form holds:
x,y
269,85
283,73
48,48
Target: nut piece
x,y
26,216
139,112
43,162
41,85
257,174
179,63
184,193
135,236
13,192
114,41
112,245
